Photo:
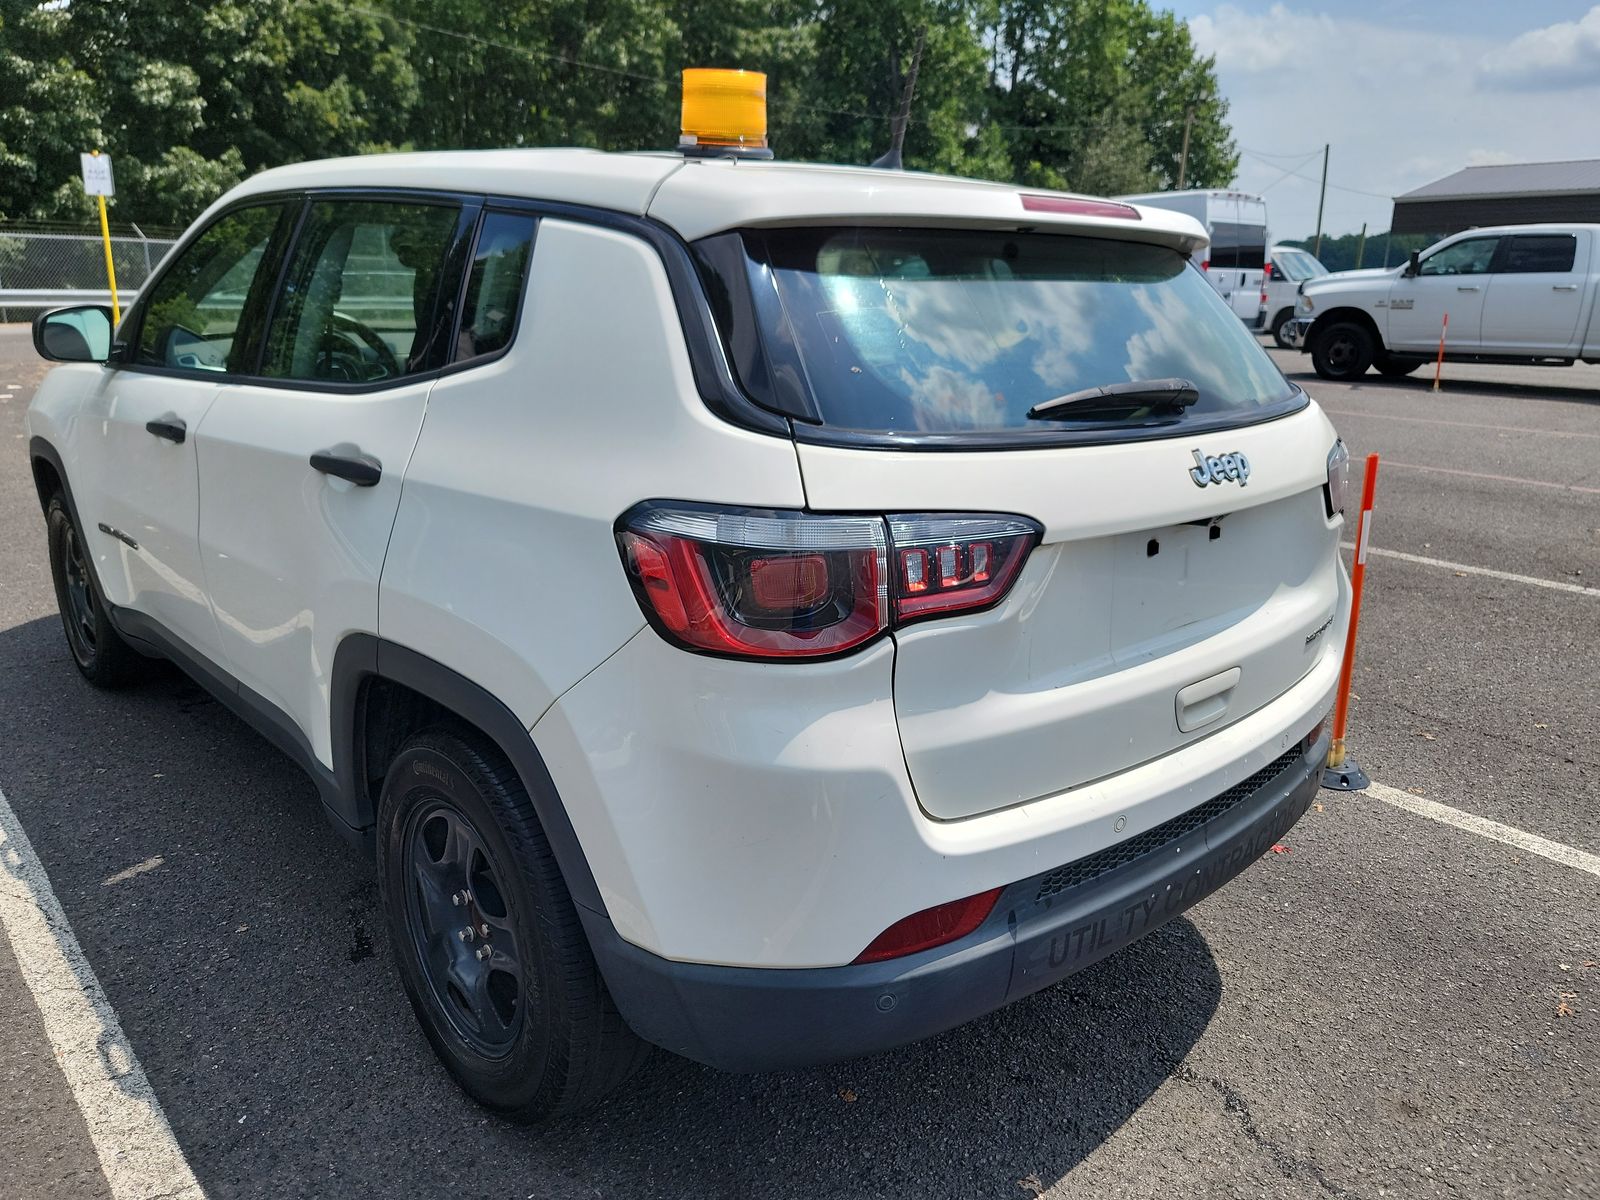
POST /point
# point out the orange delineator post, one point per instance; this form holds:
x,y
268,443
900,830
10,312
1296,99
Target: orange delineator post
x,y
1358,574
1439,364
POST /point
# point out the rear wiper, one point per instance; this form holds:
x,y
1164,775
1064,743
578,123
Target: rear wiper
x,y
1173,395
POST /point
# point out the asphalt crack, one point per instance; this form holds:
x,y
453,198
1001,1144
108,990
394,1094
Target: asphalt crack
x,y
1288,1164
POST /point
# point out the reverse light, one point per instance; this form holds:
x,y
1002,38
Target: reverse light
x,y
778,583
931,927
1338,493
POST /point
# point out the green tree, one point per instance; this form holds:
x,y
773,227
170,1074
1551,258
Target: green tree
x,y
1093,96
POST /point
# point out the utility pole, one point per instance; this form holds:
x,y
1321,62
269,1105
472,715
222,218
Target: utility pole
x,y
1183,157
891,159
1317,251
1361,246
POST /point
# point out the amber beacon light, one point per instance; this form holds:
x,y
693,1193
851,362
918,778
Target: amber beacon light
x,y
724,113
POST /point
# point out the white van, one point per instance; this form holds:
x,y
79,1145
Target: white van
x,y
773,612
1287,269
1236,260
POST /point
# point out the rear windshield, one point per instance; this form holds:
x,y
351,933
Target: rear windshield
x,y
922,330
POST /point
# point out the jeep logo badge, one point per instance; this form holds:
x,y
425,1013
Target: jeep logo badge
x,y
1220,468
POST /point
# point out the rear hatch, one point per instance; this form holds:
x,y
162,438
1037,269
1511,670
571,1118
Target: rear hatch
x,y
1187,565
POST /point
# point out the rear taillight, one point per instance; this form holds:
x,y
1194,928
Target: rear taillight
x,y
1205,264
955,564
775,583
931,927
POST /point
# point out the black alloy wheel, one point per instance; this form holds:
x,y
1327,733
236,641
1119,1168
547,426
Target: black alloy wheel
x,y
487,940
98,650
1343,352
462,931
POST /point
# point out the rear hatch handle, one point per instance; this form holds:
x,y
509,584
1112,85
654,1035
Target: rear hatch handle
x,y
1206,701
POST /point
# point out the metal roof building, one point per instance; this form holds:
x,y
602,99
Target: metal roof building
x,y
1513,194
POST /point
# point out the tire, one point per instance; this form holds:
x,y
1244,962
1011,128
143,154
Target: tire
x,y
1343,352
98,650
1396,368
528,1031
1279,324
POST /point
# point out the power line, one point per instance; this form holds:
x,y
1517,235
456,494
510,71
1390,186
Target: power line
x,y
568,60
1335,186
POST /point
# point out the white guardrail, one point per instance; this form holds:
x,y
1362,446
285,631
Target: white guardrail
x,y
61,297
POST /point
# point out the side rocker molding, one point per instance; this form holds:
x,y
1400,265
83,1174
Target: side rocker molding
x,y
361,656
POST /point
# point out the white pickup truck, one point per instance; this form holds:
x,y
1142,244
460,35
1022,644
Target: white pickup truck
x,y
1513,294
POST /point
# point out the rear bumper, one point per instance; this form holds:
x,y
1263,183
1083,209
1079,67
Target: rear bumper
x,y
1043,929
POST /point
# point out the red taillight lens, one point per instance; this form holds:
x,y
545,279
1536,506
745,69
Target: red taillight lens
x,y
931,927
774,583
758,583
955,564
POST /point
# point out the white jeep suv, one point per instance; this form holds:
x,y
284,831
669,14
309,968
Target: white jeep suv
x,y
772,612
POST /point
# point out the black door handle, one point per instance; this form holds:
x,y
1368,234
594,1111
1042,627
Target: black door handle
x,y
169,428
347,462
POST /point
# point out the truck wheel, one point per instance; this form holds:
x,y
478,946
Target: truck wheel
x,y
102,657
486,936
1342,352
1280,324
1396,368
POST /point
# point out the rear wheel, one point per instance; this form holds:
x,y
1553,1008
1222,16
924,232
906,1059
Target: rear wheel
x,y
1396,368
488,941
101,655
1343,352
1280,329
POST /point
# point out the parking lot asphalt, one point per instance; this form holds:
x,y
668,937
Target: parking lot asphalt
x,y
1391,1007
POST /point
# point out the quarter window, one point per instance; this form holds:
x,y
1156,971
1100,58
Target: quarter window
x,y
494,288
1471,257
1545,252
365,297
200,315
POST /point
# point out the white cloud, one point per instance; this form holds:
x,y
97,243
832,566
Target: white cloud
x,y
1256,43
1556,57
1401,105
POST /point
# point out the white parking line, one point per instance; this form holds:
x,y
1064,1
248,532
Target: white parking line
x,y
1543,483
137,1152
1467,569
1565,433
1567,856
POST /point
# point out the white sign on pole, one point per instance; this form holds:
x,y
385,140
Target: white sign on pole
x,y
97,174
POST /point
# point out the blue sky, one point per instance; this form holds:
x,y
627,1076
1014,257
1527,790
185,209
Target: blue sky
x,y
1405,91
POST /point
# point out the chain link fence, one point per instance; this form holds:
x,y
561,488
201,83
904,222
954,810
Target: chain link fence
x,y
36,258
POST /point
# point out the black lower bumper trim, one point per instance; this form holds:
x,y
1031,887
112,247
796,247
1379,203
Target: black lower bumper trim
x,y
757,1019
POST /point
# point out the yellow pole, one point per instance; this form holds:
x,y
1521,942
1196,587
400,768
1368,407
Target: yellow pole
x,y
111,269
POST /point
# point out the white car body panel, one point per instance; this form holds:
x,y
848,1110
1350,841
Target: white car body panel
x,y
129,480
292,556
530,509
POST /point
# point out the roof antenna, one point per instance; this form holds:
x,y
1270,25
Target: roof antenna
x,y
890,159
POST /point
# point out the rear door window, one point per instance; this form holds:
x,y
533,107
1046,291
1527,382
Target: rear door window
x,y
367,294
964,331
1528,254
1241,247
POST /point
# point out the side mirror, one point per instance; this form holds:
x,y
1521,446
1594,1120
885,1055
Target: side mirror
x,y
1413,264
1277,275
78,334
